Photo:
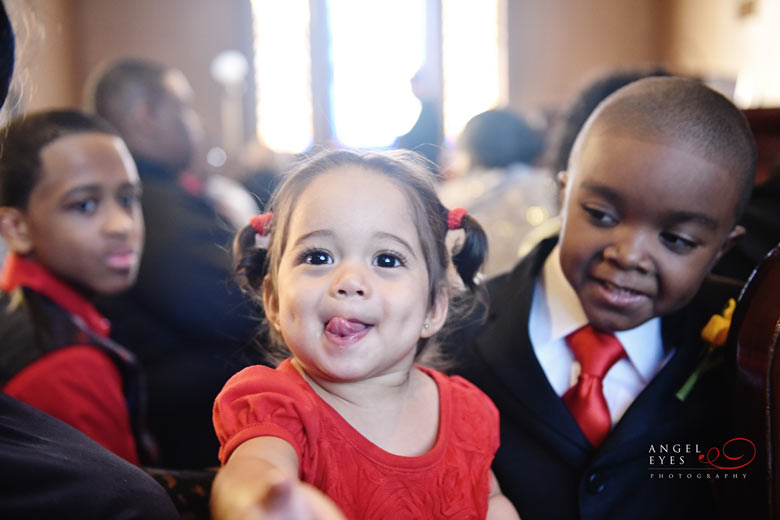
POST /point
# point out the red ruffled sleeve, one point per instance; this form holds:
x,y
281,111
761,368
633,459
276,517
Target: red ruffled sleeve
x,y
260,401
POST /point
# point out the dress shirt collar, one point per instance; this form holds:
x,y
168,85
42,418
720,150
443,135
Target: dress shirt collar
x,y
556,312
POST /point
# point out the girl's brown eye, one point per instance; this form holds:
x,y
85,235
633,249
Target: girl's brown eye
x,y
317,258
388,260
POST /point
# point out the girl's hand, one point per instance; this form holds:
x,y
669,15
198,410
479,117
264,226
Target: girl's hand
x,y
290,499
259,482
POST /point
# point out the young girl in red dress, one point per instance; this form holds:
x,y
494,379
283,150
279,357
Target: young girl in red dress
x,y
352,269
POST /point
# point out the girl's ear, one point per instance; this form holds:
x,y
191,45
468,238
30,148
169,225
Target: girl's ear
x,y
437,314
15,231
270,303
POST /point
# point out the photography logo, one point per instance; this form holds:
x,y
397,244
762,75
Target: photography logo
x,y
688,461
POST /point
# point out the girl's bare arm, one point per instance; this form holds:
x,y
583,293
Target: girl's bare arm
x,y
499,506
260,481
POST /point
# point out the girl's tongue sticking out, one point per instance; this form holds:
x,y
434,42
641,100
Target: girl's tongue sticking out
x,y
339,326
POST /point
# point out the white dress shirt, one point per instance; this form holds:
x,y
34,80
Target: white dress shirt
x,y
556,312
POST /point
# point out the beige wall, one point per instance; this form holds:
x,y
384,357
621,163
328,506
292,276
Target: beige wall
x,y
704,36
729,39
186,34
45,68
555,46
81,34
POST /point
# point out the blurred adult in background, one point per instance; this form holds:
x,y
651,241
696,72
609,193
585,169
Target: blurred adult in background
x,y
220,186
259,171
427,135
51,470
495,178
185,319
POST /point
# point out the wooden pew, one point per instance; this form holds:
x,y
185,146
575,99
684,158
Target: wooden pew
x,y
755,334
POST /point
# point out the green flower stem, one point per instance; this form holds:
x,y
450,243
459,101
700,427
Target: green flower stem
x,y
710,360
683,392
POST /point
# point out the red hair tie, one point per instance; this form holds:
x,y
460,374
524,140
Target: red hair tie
x,y
455,218
261,223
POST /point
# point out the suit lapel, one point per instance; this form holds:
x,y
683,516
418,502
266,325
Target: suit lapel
x,y
505,347
656,401
681,332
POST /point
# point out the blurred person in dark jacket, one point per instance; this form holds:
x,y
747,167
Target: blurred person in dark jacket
x,y
185,318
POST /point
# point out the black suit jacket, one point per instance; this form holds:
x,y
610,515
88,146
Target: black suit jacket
x,y
50,470
545,465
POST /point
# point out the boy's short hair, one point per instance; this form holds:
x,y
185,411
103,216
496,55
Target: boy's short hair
x,y
683,110
566,130
22,140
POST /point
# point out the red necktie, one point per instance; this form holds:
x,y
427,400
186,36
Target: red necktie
x,y
596,351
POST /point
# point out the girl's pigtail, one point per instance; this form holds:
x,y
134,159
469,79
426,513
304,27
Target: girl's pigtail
x,y
250,249
473,250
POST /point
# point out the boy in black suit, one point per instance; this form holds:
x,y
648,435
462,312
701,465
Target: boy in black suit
x,y
656,181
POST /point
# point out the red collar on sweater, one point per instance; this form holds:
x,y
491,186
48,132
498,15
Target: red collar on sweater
x,y
21,271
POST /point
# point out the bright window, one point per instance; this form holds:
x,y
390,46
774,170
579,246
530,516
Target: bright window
x,y
374,47
470,61
283,74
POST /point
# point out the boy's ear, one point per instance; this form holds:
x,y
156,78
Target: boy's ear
x,y
15,231
563,178
437,314
270,303
735,234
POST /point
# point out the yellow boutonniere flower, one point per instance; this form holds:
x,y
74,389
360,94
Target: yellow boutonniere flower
x,y
715,334
717,329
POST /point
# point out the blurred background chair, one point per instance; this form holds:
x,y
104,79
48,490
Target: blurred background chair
x,y
189,489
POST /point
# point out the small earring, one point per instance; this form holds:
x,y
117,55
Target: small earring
x,y
426,325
